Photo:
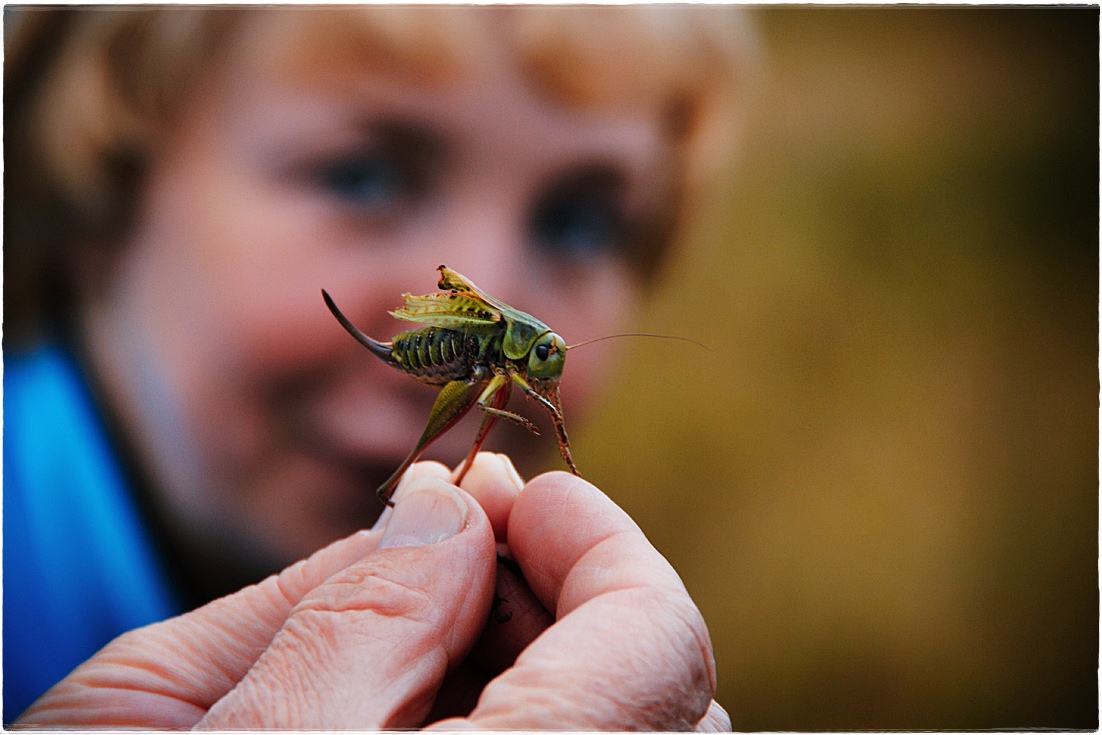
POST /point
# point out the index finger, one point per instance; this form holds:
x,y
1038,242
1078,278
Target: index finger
x,y
628,650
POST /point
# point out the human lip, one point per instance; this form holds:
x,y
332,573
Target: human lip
x,y
362,427
348,465
387,430
364,441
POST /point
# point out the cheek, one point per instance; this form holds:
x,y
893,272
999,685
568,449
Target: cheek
x,y
236,279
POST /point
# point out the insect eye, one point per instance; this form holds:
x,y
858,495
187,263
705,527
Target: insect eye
x,y
542,351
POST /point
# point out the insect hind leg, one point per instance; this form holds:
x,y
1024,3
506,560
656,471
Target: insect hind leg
x,y
492,399
453,401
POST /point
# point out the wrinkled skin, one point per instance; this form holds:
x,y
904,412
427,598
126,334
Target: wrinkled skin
x,y
584,625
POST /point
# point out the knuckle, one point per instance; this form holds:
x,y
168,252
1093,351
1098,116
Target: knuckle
x,y
367,590
682,667
690,635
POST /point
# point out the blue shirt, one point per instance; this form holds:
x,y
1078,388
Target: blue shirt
x,y
80,566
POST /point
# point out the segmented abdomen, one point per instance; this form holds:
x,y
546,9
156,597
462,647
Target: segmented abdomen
x,y
437,356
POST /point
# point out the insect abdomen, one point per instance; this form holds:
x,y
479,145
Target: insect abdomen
x,y
437,356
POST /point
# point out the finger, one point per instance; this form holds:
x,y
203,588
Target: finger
x,y
459,693
715,720
629,649
516,617
169,674
425,468
494,482
370,647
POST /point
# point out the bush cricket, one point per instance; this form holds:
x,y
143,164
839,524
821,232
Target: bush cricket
x,y
475,348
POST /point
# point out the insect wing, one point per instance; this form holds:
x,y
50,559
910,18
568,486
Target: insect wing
x,y
448,310
522,330
453,281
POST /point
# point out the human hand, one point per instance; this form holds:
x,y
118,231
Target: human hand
x,y
624,647
398,626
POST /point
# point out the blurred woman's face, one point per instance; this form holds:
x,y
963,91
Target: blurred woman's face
x,y
266,426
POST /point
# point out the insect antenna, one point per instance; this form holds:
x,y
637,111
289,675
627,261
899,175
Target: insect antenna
x,y
639,334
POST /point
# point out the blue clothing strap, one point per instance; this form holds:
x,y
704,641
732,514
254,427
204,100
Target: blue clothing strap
x,y
80,567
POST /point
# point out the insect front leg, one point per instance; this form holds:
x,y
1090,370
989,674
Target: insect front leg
x,y
453,402
496,411
555,409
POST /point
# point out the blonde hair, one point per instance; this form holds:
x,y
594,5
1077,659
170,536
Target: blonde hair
x,y
88,92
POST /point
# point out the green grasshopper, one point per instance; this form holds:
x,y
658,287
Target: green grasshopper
x,y
476,348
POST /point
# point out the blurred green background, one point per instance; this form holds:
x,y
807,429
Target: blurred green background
x,y
881,486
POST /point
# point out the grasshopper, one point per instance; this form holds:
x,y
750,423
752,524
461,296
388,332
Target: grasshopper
x,y
475,348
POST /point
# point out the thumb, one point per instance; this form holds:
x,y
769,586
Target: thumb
x,y
370,646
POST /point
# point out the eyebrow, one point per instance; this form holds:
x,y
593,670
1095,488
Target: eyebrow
x,y
598,175
411,139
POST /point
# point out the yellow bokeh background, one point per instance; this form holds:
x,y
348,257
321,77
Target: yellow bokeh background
x,y
881,484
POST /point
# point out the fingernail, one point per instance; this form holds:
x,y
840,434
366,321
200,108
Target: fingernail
x,y
426,511
511,472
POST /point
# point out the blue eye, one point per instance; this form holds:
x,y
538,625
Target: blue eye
x,y
579,223
367,180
